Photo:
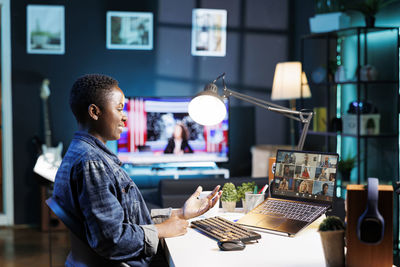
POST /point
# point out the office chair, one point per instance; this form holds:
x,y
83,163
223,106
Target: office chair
x,y
81,252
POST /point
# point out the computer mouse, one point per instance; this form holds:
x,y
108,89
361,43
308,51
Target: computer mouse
x,y
228,245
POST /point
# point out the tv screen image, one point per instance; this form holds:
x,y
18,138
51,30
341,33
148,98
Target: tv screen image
x,y
160,130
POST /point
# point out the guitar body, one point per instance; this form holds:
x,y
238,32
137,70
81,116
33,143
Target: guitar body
x,y
49,161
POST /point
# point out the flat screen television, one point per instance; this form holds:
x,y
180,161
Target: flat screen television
x,y
148,137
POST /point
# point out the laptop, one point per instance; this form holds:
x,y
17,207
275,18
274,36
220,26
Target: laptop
x,y
303,189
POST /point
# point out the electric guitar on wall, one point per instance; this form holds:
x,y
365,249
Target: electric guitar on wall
x,y
50,160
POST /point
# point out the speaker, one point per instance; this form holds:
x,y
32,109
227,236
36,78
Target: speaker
x,y
369,231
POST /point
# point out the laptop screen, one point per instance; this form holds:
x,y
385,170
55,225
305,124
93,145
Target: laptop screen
x,y
306,175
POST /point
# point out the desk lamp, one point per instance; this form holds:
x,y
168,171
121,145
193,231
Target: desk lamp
x,y
208,107
290,83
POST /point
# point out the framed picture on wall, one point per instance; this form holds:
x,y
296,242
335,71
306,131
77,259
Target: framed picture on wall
x,y
209,32
129,30
45,29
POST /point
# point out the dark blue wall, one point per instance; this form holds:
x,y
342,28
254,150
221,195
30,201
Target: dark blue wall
x,y
85,52
258,38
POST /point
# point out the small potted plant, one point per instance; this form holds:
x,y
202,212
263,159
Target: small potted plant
x,y
369,8
331,231
229,197
345,166
40,38
242,189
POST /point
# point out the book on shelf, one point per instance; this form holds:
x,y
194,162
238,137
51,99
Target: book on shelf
x,y
319,119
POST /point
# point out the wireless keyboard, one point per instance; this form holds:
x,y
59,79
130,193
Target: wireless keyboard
x,y
224,230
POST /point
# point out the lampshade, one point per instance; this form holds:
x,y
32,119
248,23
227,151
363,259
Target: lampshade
x,y
289,81
207,108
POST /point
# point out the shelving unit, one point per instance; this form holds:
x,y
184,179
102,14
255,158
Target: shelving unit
x,y
353,48
365,50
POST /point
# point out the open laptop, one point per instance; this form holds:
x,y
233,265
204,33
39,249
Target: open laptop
x,y
304,188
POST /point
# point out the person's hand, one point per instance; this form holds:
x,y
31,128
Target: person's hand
x,y
194,206
174,226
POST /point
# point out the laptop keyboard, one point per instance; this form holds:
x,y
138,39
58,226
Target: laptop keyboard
x,y
290,210
222,229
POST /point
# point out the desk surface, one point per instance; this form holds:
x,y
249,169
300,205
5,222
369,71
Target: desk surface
x,y
196,249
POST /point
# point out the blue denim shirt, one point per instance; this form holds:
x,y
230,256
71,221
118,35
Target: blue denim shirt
x,y
91,185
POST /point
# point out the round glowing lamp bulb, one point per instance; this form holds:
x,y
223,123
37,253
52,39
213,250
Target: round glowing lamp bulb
x,y
207,108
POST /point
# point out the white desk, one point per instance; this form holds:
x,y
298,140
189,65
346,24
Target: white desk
x,y
195,249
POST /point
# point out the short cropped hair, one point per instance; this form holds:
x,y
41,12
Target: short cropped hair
x,y
89,89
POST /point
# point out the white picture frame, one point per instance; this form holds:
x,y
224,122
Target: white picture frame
x,y
209,32
129,30
45,32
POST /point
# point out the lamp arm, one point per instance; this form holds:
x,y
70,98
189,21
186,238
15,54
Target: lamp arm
x,y
304,131
247,98
303,116
264,104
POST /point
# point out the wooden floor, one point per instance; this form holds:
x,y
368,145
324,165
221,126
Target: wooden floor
x,y
27,246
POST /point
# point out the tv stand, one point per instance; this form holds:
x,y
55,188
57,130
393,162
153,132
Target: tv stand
x,y
148,176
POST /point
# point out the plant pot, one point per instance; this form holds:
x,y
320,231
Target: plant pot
x,y
369,21
229,206
333,245
345,175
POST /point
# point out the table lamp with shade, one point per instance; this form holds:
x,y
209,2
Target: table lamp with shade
x,y
208,107
290,83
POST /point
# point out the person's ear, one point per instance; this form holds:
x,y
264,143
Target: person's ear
x,y
94,112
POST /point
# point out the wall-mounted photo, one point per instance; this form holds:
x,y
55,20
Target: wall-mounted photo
x,y
209,32
130,30
45,29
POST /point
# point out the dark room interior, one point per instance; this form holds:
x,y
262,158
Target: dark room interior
x,y
163,53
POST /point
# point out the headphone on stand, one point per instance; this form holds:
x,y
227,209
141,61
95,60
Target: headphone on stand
x,y
371,225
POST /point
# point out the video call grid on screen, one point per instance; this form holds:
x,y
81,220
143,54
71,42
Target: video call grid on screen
x,y
151,124
306,175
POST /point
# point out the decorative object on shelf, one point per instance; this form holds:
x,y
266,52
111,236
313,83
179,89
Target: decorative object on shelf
x,y
345,166
129,30
369,124
242,189
319,120
340,74
368,73
336,125
369,119
331,231
318,75
329,22
329,16
229,197
369,8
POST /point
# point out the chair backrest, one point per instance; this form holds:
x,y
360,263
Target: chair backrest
x,y
67,218
81,251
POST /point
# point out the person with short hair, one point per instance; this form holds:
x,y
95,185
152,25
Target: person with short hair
x,y
91,185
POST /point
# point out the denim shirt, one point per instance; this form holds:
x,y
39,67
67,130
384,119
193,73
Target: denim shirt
x,y
91,185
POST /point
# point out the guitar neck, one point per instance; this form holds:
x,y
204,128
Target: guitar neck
x,y
46,120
